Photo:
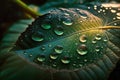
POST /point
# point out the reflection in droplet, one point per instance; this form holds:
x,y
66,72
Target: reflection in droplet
x,y
65,60
41,58
59,31
58,49
83,38
37,36
82,49
53,56
67,21
46,26
98,37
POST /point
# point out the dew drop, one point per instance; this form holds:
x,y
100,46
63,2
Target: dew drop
x,y
83,38
53,56
46,26
118,17
41,58
67,21
82,49
37,37
83,15
97,49
42,48
113,11
98,37
94,41
58,49
58,31
118,14
65,60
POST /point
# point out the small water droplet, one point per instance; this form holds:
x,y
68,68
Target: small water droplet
x,y
88,7
118,14
113,11
82,49
98,37
94,41
53,56
42,48
58,49
30,55
83,38
46,26
54,65
41,58
37,37
118,17
105,40
65,60
59,31
97,49
67,21
49,45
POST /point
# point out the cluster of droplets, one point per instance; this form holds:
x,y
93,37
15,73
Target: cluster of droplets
x,y
57,54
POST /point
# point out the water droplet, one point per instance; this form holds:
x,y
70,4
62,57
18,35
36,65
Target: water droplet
x,y
118,17
82,49
53,56
46,26
94,41
113,11
97,49
58,49
83,38
67,21
83,15
37,37
30,55
105,40
65,60
115,23
54,65
59,31
42,48
88,7
41,58
98,37
118,14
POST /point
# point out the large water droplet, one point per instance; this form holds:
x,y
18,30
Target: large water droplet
x,y
37,36
59,31
67,21
82,49
58,49
46,26
65,60
41,58
98,37
83,38
53,56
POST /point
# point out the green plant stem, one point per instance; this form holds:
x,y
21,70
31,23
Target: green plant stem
x,y
25,8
